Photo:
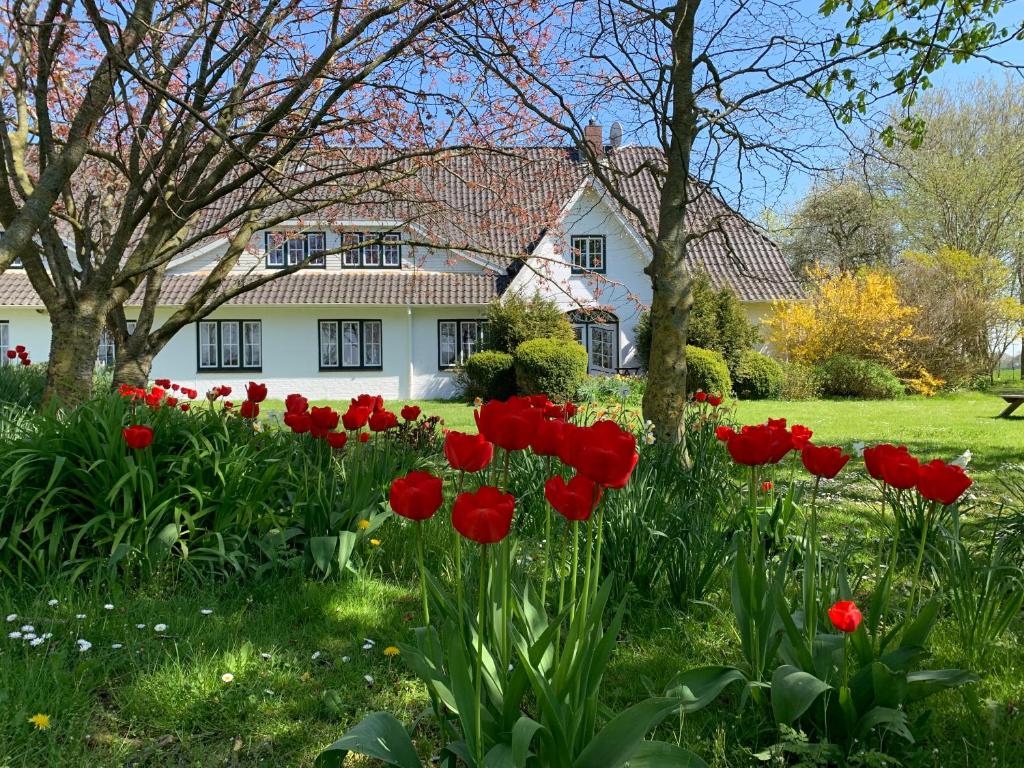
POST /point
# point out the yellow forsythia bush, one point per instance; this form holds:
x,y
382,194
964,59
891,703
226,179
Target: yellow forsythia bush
x,y
857,314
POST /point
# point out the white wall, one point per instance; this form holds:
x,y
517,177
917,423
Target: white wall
x,y
30,328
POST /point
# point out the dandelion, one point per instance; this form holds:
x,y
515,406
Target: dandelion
x,y
391,650
159,627
52,601
206,611
83,645
364,524
12,617
14,635
40,721
227,677
374,542
108,607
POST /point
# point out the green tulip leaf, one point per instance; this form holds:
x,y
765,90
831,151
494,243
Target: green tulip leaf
x,y
619,740
379,736
892,720
793,692
322,549
346,544
921,685
916,632
522,737
658,754
699,687
499,756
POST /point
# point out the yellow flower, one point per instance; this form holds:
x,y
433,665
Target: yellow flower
x,y
374,542
40,721
364,524
391,651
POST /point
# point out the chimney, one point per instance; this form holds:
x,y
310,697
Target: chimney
x,y
593,137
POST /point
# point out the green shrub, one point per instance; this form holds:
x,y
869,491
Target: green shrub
x,y
490,375
552,367
717,322
756,376
845,376
514,320
799,382
706,370
22,385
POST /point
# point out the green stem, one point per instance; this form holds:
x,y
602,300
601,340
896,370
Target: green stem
x,y
925,522
597,556
547,543
481,608
587,568
575,568
423,574
460,590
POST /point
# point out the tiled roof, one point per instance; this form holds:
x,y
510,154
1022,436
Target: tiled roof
x,y
314,287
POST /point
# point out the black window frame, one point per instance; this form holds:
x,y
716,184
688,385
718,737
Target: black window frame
x,y
6,324
220,367
481,324
585,319
361,251
314,263
363,322
573,250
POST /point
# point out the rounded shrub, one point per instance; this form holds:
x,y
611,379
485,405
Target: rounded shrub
x,y
490,375
552,367
706,370
846,376
756,376
799,382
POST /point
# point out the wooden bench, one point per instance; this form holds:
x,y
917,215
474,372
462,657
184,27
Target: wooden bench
x,y
1013,402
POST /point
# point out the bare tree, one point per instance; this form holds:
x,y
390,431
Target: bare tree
x,y
724,91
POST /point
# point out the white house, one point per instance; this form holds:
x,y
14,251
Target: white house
x,y
397,317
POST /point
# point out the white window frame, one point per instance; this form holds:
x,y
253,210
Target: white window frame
x,y
595,347
464,345
249,356
284,249
373,255
5,341
586,249
368,345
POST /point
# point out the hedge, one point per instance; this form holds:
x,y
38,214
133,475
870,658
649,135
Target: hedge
x,y
553,367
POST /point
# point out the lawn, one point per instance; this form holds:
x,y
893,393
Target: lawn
x,y
307,658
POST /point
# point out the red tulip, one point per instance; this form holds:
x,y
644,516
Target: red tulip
x,y
875,456
470,453
570,409
724,433
153,398
323,420
845,616
355,417
570,443
823,460
411,412
300,423
138,436
715,400
484,516
508,423
800,435
228,405
20,349
11,354
26,361
176,387
700,396
900,469
171,402
750,446
185,407
381,421
942,482
607,454
256,393
165,383
575,500
223,390
337,439
547,438
373,402
417,496
296,403
364,437
766,486
249,409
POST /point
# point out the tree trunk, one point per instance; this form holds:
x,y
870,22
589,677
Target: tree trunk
x,y
75,337
132,368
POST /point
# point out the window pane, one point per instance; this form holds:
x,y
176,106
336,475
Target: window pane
x,y
469,336
130,326
296,250
229,346
578,330
350,344
252,346
207,345
328,344
602,346
392,250
316,244
275,250
596,253
350,257
371,253
371,343
5,343
105,353
447,344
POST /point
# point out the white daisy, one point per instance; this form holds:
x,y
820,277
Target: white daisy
x,y
83,645
140,626
108,607
46,635
346,659
206,611
28,628
265,656
227,677
268,692
79,616
368,679
14,635
117,646
315,656
37,641
159,627
12,617
29,636
52,601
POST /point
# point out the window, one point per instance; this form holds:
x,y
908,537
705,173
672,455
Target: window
x,y
287,252
5,341
351,345
373,255
588,252
457,340
602,347
106,355
230,345
598,331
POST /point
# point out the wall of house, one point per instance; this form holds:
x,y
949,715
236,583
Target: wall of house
x,y
30,328
254,257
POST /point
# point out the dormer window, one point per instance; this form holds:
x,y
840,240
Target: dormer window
x,y
588,253
285,251
372,250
